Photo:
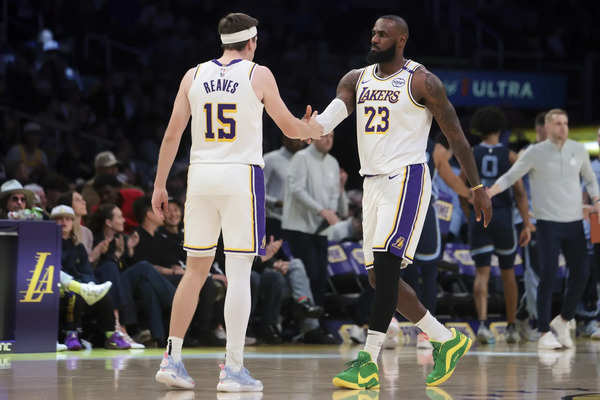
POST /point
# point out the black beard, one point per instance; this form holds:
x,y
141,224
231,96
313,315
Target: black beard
x,y
381,56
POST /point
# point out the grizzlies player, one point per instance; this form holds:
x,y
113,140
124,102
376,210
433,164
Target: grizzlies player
x,y
225,98
494,159
422,275
395,100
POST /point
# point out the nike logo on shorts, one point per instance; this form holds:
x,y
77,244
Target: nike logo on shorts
x,y
392,176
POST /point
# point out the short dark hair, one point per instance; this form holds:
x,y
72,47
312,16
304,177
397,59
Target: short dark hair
x,y
540,119
235,22
488,120
106,180
402,25
140,207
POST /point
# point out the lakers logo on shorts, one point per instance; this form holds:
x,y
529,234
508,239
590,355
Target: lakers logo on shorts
x,y
399,243
263,244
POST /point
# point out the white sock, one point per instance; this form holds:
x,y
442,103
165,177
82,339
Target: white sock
x,y
174,347
432,327
373,344
237,307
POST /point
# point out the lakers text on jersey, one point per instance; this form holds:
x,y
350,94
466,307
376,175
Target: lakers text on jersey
x,y
392,127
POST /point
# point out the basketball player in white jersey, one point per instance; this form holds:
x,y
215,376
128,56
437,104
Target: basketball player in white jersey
x,y
395,100
225,98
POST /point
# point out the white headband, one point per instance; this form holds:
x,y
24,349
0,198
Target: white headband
x,y
236,37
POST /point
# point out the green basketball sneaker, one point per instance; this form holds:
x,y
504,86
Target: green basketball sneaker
x,y
361,373
445,357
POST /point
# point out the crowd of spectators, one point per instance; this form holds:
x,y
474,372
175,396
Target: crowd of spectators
x,y
85,95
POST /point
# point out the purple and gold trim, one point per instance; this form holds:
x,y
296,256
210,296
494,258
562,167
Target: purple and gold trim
x,y
251,71
409,85
196,248
409,207
392,75
196,72
358,82
399,206
257,200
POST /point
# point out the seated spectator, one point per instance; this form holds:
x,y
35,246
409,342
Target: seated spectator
x,y
130,280
75,200
111,191
75,262
281,279
13,197
39,195
165,253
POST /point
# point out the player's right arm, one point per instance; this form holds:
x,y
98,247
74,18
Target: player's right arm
x,y
343,104
170,143
267,91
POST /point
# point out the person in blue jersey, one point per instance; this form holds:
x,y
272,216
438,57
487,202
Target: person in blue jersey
x,y
422,275
494,159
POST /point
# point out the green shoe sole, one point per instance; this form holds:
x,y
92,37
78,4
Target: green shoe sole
x,y
448,374
372,384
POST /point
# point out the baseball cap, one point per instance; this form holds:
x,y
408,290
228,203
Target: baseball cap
x,y
106,159
62,211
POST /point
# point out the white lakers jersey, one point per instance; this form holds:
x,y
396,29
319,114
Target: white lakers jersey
x,y
391,126
226,114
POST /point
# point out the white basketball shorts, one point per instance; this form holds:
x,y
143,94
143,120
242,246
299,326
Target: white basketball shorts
x,y
227,197
394,210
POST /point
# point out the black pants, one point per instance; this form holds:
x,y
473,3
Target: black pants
x,y
551,238
312,250
589,299
272,284
274,228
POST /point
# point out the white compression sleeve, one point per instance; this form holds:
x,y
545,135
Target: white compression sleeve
x,y
331,117
237,307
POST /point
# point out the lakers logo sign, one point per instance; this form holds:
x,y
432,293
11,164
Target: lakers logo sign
x,y
40,282
398,243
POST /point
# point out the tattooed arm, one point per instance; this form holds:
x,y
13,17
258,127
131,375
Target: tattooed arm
x,y
346,89
429,90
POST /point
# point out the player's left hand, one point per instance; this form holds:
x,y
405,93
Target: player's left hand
x,y
160,201
482,204
371,273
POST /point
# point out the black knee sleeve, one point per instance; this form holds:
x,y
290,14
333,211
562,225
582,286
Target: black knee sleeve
x,y
387,274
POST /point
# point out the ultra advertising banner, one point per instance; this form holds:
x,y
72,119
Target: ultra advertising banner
x,y
468,88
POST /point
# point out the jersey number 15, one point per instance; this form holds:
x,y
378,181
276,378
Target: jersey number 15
x,y
226,130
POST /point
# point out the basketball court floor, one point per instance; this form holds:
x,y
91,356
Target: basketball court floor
x,y
305,372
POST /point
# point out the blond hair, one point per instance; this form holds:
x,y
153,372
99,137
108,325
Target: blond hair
x,y
555,111
76,231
